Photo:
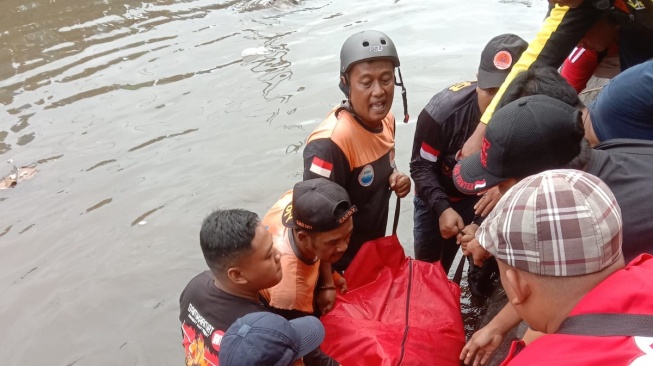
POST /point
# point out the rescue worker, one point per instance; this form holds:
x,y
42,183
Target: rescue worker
x,y
566,24
444,124
557,238
355,146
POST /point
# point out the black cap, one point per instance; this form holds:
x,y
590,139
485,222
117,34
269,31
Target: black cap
x,y
528,136
497,59
317,205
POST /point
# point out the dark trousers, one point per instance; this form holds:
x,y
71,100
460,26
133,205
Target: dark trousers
x,y
635,45
428,242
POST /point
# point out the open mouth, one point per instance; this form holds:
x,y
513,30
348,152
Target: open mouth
x,y
377,106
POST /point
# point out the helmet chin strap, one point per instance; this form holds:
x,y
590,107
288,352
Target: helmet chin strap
x,y
403,95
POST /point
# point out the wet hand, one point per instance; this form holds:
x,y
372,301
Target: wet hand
x,y
467,234
325,300
450,223
478,253
341,284
481,346
487,202
400,183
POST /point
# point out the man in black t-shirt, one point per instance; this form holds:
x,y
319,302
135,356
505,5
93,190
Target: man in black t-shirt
x,y
443,126
242,261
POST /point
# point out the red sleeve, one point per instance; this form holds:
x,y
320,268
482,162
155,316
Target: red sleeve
x,y
579,67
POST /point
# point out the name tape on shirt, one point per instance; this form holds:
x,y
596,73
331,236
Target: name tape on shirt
x,y
321,167
429,153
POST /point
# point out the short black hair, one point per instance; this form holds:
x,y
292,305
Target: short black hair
x,y
225,236
540,81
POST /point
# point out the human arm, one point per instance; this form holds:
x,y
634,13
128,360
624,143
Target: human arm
x,y
470,245
561,31
324,159
450,223
425,161
399,183
326,290
318,358
486,340
487,202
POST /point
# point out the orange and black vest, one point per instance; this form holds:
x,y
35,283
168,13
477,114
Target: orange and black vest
x,y
360,160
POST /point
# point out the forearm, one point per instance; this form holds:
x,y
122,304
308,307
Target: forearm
x,y
326,274
505,320
561,31
428,187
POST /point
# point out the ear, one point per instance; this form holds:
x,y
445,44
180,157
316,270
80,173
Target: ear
x,y
343,85
302,236
519,286
236,276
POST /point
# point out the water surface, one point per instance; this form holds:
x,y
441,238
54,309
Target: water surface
x,y
143,116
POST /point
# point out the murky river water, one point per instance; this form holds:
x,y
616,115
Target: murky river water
x,y
143,116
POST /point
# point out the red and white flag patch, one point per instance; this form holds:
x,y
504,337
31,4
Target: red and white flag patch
x,y
429,153
321,167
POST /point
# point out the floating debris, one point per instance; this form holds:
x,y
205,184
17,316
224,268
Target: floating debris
x,y
26,172
17,175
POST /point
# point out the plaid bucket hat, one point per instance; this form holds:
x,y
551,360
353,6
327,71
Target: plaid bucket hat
x,y
556,223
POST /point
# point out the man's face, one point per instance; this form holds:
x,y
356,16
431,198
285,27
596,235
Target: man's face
x,y
331,245
485,97
262,267
371,89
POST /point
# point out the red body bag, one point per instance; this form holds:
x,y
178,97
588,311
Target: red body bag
x,y
398,311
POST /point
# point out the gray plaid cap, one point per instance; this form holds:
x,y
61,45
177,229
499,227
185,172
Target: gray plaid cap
x,y
556,223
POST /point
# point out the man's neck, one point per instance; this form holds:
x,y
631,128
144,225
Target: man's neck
x,y
560,312
236,291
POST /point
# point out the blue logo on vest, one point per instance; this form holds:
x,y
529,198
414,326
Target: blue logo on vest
x,y
366,177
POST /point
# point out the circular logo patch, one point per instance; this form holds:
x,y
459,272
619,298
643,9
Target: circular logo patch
x,y
366,177
502,60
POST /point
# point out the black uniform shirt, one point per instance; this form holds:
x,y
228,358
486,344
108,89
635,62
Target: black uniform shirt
x,y
443,126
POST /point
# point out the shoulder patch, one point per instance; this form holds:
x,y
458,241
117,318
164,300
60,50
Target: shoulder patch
x,y
427,152
458,86
321,167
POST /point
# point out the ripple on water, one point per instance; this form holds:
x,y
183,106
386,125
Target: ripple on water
x,y
99,204
124,91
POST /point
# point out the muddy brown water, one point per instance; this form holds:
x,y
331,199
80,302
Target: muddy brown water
x,y
143,116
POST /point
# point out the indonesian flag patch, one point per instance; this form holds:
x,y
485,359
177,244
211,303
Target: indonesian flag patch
x,y
321,167
429,153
